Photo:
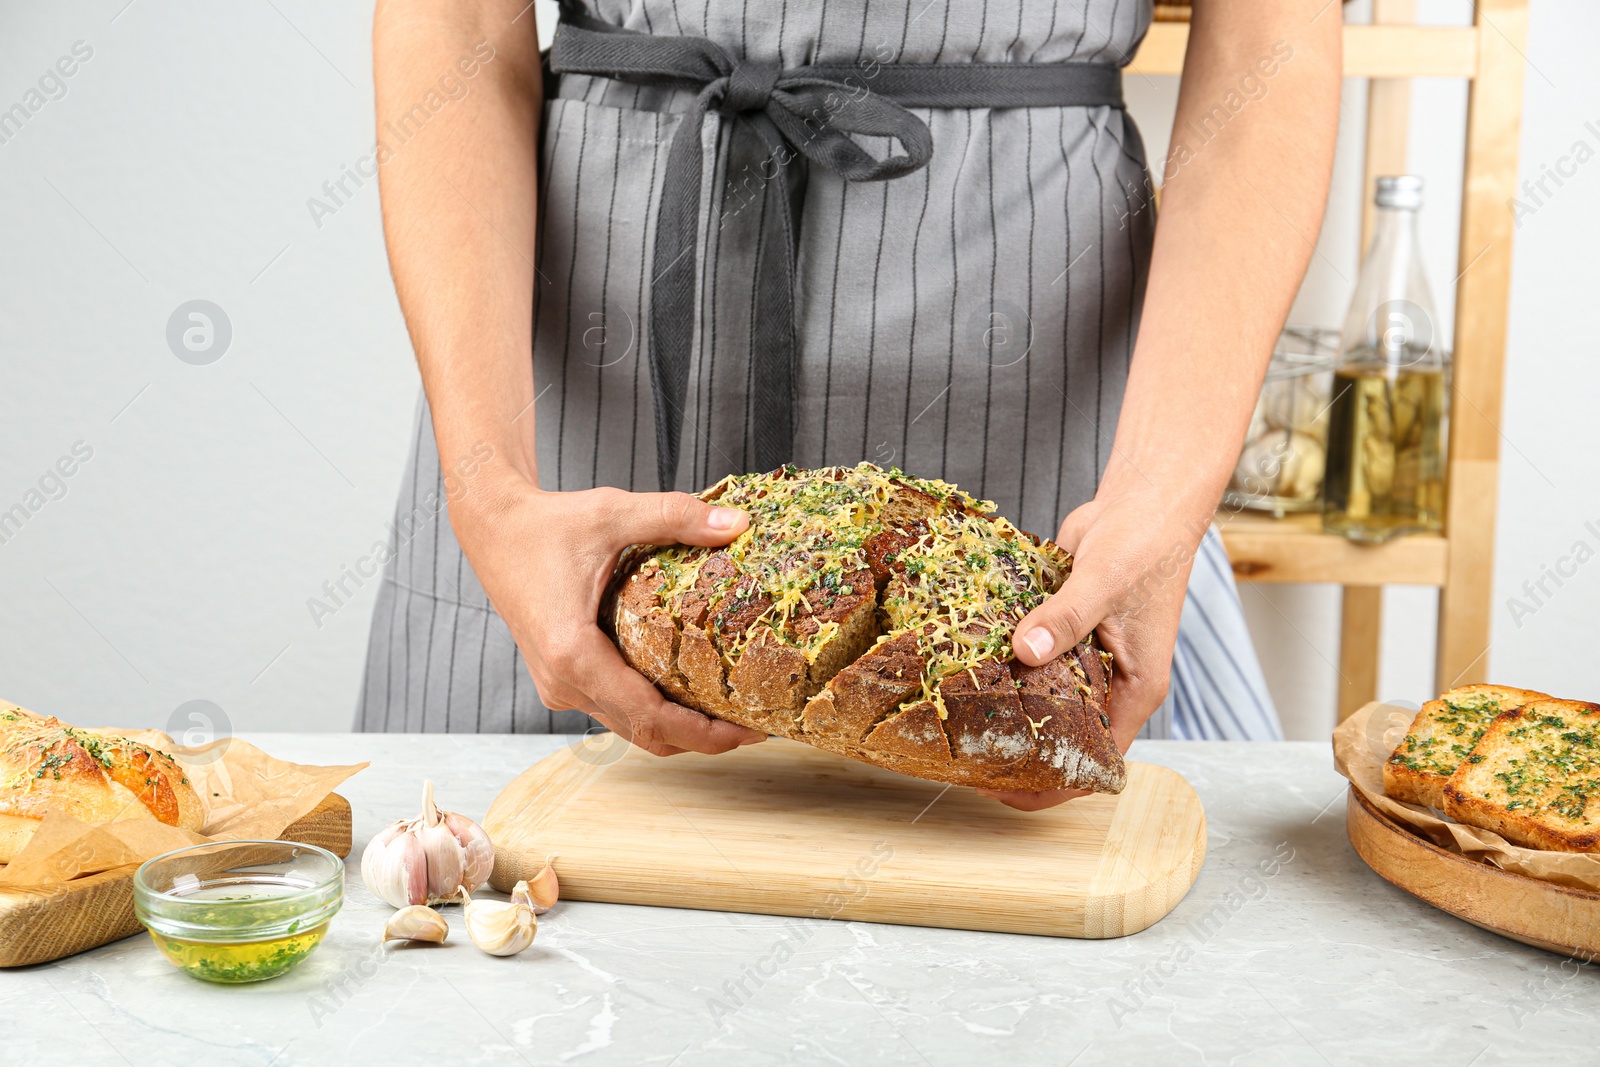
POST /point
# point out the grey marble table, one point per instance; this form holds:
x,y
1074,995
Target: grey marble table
x,y
1287,950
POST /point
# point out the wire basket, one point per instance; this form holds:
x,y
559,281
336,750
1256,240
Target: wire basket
x,y
1281,465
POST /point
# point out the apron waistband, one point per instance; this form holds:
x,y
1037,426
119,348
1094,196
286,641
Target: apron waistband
x,y
801,114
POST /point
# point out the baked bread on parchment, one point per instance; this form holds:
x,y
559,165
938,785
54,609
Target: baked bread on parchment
x,y
870,613
98,778
1534,777
1442,735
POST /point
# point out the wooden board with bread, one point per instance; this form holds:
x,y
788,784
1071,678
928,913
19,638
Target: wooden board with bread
x,y
1548,915
81,896
869,613
43,923
1486,804
785,829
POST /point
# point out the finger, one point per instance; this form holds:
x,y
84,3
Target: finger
x,y
1076,524
1132,703
604,718
1027,800
1137,688
671,518
1064,619
694,731
627,697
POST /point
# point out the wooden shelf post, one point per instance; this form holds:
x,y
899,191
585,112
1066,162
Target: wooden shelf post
x,y
1483,298
1387,152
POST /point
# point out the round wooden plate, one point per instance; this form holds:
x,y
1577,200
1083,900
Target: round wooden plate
x,y
1538,913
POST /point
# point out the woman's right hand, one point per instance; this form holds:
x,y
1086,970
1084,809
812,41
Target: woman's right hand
x,y
461,230
545,558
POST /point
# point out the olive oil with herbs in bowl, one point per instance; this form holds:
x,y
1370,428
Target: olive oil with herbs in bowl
x,y
239,911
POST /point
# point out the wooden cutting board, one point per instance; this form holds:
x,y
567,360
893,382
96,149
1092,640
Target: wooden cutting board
x,y
783,829
1549,916
49,922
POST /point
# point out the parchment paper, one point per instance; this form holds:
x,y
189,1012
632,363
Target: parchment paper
x,y
1366,739
245,794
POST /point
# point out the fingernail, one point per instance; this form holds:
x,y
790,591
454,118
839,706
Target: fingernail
x,y
723,518
755,740
1039,642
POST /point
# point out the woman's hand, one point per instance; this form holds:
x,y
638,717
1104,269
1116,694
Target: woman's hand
x,y
545,558
461,233
1223,272
1131,559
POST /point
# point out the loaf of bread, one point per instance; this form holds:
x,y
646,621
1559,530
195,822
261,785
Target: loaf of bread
x,y
870,613
46,765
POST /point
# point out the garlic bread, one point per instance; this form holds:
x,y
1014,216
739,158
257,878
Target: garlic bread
x,y
1534,777
1442,735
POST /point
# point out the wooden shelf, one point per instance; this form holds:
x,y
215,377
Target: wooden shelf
x,y
1369,51
1294,549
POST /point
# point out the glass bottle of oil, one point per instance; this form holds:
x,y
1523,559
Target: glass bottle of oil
x,y
1389,420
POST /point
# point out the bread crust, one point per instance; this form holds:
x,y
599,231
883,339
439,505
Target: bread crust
x,y
828,640
46,765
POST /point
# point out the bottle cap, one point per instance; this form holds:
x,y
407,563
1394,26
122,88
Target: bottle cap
x,y
1403,191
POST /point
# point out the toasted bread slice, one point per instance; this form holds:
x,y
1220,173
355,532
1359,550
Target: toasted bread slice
x,y
1442,735
1534,777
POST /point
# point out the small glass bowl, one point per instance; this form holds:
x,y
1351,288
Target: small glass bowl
x,y
239,911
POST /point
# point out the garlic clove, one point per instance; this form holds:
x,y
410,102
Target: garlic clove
x,y
500,928
416,922
444,856
478,862
541,892
394,866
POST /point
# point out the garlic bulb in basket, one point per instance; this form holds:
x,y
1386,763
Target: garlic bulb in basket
x,y
429,859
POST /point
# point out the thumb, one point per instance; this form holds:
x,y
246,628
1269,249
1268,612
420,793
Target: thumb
x,y
668,518
1064,619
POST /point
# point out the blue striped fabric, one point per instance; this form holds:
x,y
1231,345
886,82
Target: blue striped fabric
x,y
1218,692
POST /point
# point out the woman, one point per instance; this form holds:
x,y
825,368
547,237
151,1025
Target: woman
x,y
848,257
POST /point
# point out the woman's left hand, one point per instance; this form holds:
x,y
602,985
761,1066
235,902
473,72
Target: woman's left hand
x,y
1204,338
1131,557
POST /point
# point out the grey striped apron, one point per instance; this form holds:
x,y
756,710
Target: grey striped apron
x,y
972,320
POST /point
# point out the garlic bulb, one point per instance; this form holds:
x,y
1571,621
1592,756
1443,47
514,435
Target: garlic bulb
x,y
418,922
542,891
429,859
1303,466
500,928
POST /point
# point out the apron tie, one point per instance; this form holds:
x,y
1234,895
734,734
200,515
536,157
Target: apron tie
x,y
800,114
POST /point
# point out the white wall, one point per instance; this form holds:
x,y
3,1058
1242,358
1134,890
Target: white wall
x,y
177,166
